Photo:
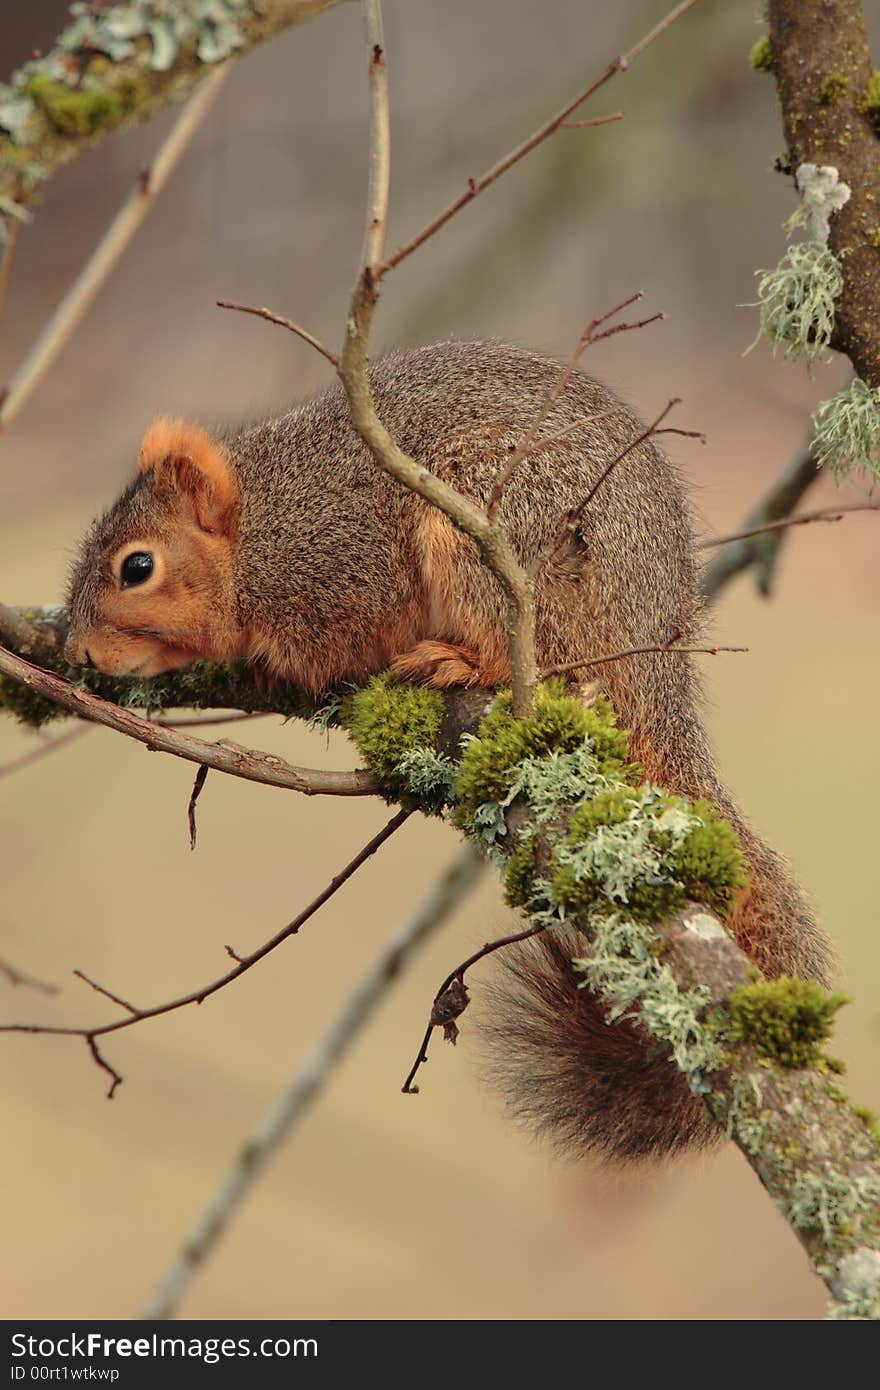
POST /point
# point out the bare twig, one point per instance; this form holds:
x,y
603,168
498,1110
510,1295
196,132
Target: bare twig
x,y
574,516
589,336
631,651
283,323
804,519
492,543
21,978
476,186
252,765
595,120
440,1016
200,779
108,251
310,1079
198,996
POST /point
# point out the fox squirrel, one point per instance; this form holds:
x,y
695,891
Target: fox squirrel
x,y
286,546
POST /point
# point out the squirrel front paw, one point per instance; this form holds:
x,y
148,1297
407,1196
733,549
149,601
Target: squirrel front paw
x,y
442,665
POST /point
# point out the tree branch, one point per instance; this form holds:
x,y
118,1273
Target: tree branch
x,y
822,65
226,757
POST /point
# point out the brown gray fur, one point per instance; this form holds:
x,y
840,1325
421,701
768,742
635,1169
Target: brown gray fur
x,y
338,570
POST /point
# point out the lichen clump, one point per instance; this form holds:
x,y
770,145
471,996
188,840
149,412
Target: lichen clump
x,y
786,1021
796,300
650,851
846,431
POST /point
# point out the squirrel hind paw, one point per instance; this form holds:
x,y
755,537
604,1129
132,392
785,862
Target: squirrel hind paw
x,y
441,665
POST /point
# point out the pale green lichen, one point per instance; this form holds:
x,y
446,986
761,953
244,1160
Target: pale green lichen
x,y
624,968
650,851
856,1284
559,723
79,96
828,1202
784,1020
796,300
429,777
846,431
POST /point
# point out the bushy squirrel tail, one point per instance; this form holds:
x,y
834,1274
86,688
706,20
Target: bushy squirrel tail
x,y
607,1088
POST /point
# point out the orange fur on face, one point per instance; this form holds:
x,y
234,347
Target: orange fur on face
x,y
186,610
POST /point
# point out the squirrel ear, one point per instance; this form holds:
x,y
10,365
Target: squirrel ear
x,y
185,458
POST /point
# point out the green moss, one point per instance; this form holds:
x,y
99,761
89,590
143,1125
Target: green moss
x,y
784,1020
678,852
388,719
761,56
833,86
76,111
870,102
519,875
558,723
32,709
709,862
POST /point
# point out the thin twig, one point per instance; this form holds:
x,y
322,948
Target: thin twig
x,y
225,756
456,976
107,993
589,336
595,120
200,779
49,745
565,666
804,519
109,249
379,139
574,516
198,996
492,543
476,186
283,1116
211,720
283,323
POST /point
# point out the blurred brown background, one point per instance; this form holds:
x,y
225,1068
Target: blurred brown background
x,y
384,1206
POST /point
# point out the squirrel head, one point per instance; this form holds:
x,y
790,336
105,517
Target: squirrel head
x,y
153,588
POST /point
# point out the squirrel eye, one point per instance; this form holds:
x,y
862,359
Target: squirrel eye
x,y
136,567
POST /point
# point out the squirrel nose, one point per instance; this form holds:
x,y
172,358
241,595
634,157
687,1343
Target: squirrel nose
x,y
76,652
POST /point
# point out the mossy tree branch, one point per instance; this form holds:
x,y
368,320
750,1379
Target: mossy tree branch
x,y
822,64
117,67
